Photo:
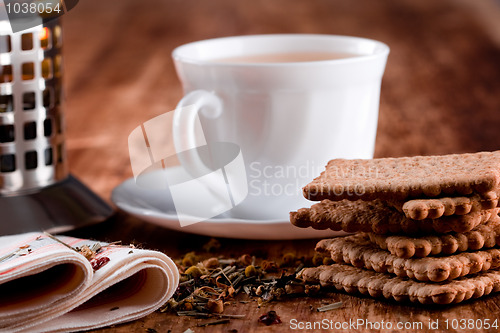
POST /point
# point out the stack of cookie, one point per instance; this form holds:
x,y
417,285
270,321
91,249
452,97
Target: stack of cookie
x,y
426,228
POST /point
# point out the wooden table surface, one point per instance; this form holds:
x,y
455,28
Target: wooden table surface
x,y
440,94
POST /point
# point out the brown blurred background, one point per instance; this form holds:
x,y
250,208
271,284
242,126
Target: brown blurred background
x,y
440,93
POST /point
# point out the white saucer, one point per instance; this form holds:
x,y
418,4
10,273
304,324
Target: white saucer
x,y
156,206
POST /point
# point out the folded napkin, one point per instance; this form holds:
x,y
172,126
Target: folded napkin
x,y
46,285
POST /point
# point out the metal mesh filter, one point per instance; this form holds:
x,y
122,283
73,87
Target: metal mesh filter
x,y
32,152
36,191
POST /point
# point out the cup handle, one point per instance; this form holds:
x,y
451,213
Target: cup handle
x,y
188,134
186,116
227,179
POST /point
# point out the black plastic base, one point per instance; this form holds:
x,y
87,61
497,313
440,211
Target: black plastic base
x,y
64,206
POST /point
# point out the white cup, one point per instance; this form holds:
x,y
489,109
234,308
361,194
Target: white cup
x,y
289,119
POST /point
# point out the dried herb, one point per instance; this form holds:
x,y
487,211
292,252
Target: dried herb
x,y
270,318
98,263
59,241
317,259
216,322
293,288
87,252
189,259
250,270
288,259
21,251
329,307
245,260
96,247
269,266
194,271
207,315
312,289
209,285
211,263
151,330
215,305
212,245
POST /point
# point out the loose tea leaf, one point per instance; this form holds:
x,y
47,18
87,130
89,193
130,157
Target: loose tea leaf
x,y
59,241
87,252
212,245
98,263
209,285
270,318
329,307
216,322
215,306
